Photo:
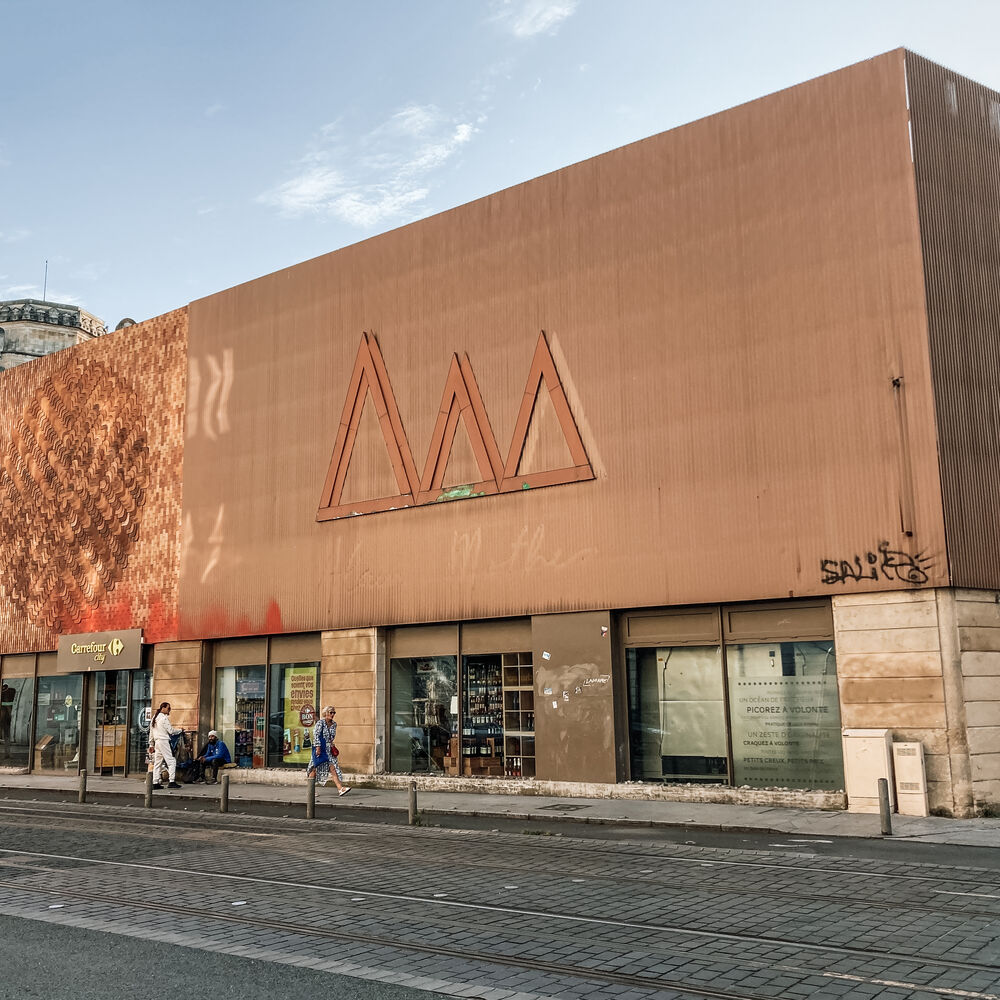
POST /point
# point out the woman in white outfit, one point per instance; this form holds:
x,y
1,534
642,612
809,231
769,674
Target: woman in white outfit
x,y
160,731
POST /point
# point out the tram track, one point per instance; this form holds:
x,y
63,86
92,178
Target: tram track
x,y
561,969
597,923
755,892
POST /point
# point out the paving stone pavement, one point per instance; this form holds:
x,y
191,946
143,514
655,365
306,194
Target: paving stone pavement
x,y
491,915
370,795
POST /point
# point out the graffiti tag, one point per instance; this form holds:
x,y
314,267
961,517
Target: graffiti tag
x,y
884,564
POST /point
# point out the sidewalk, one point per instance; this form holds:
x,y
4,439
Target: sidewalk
x,y
549,809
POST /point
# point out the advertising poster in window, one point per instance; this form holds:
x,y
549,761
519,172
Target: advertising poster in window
x,y
786,732
299,696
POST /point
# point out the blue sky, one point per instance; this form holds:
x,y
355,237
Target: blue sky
x,y
154,153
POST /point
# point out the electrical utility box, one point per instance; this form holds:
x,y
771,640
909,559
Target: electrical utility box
x,y
911,779
867,757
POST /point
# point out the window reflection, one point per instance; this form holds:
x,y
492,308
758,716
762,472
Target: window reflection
x,y
423,713
57,733
16,695
240,716
677,714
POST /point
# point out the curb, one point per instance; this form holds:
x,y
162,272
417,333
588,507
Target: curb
x,y
355,806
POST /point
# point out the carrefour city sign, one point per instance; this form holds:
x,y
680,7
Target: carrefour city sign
x,y
121,650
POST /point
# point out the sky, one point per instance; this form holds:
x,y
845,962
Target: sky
x,y
154,153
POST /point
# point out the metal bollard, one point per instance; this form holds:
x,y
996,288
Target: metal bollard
x,y
310,798
224,795
82,797
148,803
885,813
413,804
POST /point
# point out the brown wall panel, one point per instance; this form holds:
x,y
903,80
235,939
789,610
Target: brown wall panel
x,y
575,737
512,635
692,627
956,139
296,648
18,666
726,306
424,640
803,620
239,652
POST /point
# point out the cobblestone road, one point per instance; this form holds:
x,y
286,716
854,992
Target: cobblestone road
x,y
506,916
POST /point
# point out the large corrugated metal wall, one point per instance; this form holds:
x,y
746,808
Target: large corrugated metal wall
x,y
727,305
956,141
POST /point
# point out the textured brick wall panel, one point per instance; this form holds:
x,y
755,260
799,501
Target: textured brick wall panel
x,y
91,450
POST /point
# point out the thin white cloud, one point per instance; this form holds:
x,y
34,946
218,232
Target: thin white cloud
x,y
57,295
527,18
381,176
92,271
212,110
13,235
19,291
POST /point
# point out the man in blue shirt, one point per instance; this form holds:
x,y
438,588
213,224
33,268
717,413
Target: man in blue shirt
x,y
215,754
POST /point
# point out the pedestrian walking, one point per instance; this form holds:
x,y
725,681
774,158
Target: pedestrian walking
x,y
325,753
160,731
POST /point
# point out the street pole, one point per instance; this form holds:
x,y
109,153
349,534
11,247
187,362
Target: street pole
x,y
148,802
413,804
883,807
310,798
224,795
83,786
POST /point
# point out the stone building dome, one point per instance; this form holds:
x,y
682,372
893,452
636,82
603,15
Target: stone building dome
x,y
31,328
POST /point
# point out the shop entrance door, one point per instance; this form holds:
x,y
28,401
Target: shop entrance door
x,y
108,719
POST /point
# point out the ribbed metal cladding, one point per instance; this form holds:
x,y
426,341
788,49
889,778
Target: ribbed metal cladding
x,y
727,305
956,141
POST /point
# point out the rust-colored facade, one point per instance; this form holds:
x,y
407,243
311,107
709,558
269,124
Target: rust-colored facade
x,y
711,413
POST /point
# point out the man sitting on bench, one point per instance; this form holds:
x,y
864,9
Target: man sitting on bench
x,y
215,754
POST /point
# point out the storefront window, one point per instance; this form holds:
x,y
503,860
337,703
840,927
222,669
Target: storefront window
x,y
293,711
423,713
57,730
482,714
240,713
139,718
16,696
107,721
677,719
785,715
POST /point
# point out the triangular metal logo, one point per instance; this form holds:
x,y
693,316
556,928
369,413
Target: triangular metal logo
x,y
543,369
461,400
369,378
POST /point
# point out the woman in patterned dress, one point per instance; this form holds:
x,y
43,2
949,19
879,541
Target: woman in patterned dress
x,y
323,736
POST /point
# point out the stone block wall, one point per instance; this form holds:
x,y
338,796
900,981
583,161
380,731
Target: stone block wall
x,y
977,614
899,668
30,329
32,340
177,678
347,681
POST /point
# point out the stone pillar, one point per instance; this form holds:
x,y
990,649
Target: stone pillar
x,y
348,682
177,678
898,667
954,699
977,613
